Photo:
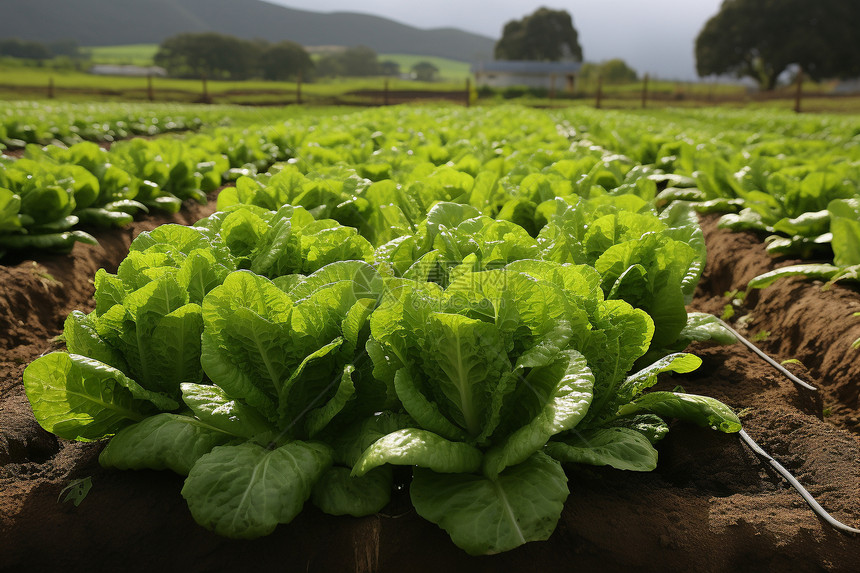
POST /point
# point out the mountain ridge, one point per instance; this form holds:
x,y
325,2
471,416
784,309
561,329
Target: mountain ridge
x,y
118,22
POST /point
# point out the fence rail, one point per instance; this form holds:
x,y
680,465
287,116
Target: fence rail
x,y
276,96
623,97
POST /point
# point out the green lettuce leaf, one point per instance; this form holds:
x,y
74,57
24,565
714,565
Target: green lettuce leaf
x,y
163,441
485,516
244,491
702,326
569,385
339,493
213,407
638,382
700,410
415,447
245,345
845,226
78,398
621,448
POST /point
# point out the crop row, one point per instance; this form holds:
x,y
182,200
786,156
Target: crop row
x,y
788,176
23,123
793,180
50,192
466,294
47,193
29,122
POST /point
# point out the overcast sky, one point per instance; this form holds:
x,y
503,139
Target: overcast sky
x,y
652,36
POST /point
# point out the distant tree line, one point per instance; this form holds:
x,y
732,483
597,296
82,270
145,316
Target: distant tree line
x,y
362,61
358,61
224,57
30,50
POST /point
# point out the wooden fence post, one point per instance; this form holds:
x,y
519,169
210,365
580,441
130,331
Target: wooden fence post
x,y
205,91
299,88
468,92
150,94
645,91
385,92
51,87
599,95
799,91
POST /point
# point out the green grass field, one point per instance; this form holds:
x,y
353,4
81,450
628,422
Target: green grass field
x,y
450,70
18,82
142,55
134,54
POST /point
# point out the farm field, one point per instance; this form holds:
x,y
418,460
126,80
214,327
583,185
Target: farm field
x,y
131,54
488,191
70,85
143,54
22,81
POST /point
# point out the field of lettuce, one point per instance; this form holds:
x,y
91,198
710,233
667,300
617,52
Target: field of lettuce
x,y
415,337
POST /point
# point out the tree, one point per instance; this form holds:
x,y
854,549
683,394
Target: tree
x,y
360,61
545,35
425,71
214,56
615,71
389,68
761,39
357,61
286,61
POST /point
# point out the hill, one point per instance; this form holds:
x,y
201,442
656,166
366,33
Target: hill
x,y
113,22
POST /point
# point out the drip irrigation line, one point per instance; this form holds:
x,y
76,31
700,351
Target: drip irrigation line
x,y
767,358
807,497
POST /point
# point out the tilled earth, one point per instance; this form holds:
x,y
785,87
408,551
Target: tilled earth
x,y
711,505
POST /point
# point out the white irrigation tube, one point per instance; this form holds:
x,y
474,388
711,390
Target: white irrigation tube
x,y
804,493
807,497
767,358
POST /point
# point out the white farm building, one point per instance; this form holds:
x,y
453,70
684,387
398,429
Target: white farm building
x,y
506,73
127,70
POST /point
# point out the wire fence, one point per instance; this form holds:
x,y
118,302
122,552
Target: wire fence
x,y
642,94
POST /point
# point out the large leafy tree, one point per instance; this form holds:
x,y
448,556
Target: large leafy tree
x,y
545,35
760,39
286,61
212,55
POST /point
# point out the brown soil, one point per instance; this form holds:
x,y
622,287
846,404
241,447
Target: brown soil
x,y
710,506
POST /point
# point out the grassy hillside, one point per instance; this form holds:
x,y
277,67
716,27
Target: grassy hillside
x,y
116,22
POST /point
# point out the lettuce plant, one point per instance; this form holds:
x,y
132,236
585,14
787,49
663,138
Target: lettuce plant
x,y
143,338
844,235
326,380
506,372
653,262
37,205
